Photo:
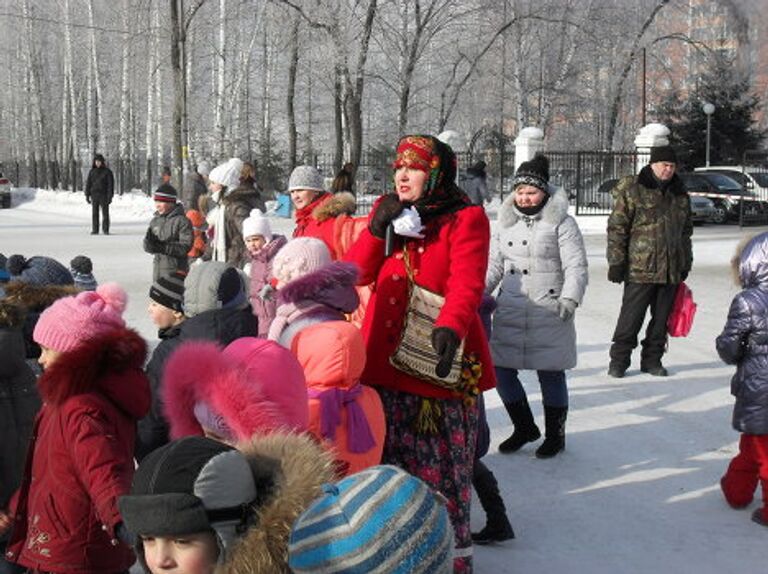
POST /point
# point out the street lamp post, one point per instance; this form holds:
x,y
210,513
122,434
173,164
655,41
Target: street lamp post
x,y
708,109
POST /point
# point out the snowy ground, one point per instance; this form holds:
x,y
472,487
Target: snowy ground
x,y
637,489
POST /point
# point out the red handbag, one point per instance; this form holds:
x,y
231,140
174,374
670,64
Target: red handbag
x,y
683,311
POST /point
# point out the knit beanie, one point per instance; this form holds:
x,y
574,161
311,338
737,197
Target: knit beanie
x,y
166,193
305,177
663,153
168,291
299,257
253,386
203,168
81,268
38,270
379,520
192,485
72,320
227,173
534,172
257,224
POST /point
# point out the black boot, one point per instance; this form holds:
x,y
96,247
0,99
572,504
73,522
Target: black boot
x,y
497,527
525,428
554,434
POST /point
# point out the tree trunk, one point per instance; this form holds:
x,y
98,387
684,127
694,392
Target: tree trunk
x,y
338,150
290,98
178,90
97,136
149,126
220,81
125,92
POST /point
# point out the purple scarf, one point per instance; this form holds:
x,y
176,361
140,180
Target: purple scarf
x,y
359,437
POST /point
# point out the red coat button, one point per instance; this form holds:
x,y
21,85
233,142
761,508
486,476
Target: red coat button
x,y
392,301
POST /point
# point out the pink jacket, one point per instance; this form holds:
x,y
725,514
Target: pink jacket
x,y
261,272
345,414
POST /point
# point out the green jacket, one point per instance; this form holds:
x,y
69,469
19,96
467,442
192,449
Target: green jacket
x,y
649,229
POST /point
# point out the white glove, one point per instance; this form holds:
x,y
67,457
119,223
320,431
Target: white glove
x,y
265,293
566,307
408,223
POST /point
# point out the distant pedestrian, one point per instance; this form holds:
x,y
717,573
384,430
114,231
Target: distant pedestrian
x,y
475,184
649,250
169,237
99,189
742,343
195,185
345,179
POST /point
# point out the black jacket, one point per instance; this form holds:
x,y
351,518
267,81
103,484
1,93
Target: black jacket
x,y
100,184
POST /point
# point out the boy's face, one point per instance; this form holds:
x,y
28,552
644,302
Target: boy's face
x,y
164,206
255,243
162,316
189,554
48,357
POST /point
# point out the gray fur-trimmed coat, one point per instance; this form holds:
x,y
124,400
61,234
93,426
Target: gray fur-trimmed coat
x,y
536,260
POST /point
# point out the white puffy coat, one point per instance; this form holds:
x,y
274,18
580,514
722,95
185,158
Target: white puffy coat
x,y
538,260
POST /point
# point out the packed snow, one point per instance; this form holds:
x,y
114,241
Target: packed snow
x,y
636,489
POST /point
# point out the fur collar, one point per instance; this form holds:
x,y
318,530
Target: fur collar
x,y
648,181
242,194
553,212
35,297
304,467
11,316
338,204
329,285
110,365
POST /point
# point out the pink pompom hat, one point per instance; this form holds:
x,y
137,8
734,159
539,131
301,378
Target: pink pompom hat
x,y
71,321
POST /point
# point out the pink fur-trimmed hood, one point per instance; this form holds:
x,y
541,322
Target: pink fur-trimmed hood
x,y
332,285
254,385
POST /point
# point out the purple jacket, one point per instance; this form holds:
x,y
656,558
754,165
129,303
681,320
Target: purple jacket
x,y
261,273
325,295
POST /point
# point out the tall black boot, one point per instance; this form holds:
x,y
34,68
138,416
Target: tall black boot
x,y
554,433
497,527
525,428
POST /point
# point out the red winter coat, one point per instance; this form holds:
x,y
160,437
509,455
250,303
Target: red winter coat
x,y
81,459
451,260
329,218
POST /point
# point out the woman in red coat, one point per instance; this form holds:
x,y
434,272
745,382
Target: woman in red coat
x,y
430,430
81,455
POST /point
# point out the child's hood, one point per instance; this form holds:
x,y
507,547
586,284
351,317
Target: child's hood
x,y
110,365
332,354
751,261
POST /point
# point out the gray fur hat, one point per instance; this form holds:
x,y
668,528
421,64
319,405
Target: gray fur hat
x,y
306,177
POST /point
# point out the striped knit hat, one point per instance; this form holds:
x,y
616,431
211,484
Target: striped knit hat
x,y
168,291
381,520
166,193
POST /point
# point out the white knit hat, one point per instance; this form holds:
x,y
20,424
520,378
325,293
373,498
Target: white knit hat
x,y
299,257
227,173
305,177
257,224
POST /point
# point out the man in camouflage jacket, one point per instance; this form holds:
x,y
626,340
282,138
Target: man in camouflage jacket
x,y
649,249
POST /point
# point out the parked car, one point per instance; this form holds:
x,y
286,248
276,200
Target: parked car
x,y
702,209
5,192
727,194
751,178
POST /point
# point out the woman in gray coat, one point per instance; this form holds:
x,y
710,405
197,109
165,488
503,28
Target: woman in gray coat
x,y
539,262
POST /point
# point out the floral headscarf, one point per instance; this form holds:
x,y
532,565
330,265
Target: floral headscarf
x,y
430,155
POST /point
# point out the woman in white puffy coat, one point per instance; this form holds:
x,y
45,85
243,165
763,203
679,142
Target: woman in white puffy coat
x,y
539,264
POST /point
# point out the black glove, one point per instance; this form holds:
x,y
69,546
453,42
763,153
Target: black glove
x,y
445,341
152,244
387,209
683,276
88,199
616,273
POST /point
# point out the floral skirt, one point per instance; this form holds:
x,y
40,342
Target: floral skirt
x,y
441,454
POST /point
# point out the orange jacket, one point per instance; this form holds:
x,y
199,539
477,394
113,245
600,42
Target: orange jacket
x,y
333,357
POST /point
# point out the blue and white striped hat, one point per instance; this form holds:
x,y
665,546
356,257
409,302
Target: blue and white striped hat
x,y
380,520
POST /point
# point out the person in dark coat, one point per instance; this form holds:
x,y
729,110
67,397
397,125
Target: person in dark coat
x,y
99,189
19,403
169,237
649,250
345,179
166,299
238,204
195,185
475,184
742,343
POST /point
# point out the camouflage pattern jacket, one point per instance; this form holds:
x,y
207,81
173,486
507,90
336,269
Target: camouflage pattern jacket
x,y
649,229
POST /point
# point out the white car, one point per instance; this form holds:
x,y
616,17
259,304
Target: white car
x,y
5,192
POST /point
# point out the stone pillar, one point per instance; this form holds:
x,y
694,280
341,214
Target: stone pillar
x,y
652,135
457,142
527,143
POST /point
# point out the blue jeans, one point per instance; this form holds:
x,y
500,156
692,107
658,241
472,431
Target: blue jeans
x,y
554,391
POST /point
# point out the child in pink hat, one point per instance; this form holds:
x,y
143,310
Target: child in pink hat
x,y
81,455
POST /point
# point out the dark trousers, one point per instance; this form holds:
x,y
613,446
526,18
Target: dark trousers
x,y
96,205
638,297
